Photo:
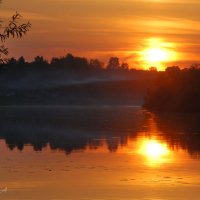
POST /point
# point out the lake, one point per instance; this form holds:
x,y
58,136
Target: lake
x,y
98,153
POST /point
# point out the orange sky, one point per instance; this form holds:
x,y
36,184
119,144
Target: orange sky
x,y
130,29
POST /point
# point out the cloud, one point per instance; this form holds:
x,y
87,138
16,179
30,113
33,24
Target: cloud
x,y
100,27
28,15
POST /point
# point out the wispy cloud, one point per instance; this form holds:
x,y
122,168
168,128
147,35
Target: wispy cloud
x,y
107,27
29,15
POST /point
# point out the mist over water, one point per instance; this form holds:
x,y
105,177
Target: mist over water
x,y
37,79
59,87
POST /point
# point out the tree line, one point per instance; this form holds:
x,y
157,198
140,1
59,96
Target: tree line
x,y
175,90
68,62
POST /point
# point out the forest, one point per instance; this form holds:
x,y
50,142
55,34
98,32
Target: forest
x,y
175,90
72,80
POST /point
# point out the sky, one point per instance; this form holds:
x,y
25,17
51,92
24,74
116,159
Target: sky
x,y
143,33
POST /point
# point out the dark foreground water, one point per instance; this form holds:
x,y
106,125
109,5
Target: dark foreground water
x,y
97,153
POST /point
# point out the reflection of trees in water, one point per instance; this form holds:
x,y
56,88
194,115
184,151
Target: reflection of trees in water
x,y
69,129
77,129
180,131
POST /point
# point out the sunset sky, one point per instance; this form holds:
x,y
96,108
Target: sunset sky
x,y
142,32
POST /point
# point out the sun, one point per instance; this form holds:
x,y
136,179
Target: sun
x,y
156,55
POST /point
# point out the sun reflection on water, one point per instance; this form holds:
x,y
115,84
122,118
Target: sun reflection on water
x,y
155,151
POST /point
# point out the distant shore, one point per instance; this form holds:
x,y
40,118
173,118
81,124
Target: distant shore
x,y
175,91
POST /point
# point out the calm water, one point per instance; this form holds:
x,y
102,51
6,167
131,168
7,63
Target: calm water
x,y
96,153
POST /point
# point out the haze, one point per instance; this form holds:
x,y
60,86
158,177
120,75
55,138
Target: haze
x,y
100,29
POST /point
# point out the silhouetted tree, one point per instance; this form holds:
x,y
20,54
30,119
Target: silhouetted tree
x,y
113,63
124,66
195,66
172,69
175,90
70,63
96,64
39,60
14,29
153,69
11,61
21,61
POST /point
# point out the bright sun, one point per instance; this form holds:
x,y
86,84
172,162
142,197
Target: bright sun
x,y
156,55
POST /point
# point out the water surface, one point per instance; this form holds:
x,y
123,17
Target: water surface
x,y
93,153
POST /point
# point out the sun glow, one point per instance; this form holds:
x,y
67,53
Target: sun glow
x,y
157,53
154,151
